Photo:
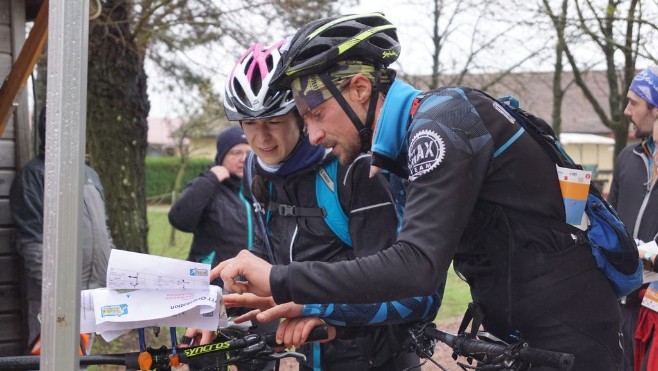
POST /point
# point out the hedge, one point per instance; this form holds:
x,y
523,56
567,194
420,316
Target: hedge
x,y
161,175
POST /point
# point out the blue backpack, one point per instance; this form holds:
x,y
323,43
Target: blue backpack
x,y
613,247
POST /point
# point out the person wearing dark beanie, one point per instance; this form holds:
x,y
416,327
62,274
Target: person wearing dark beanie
x,y
210,206
228,139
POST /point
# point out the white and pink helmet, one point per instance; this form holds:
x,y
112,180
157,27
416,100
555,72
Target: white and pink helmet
x,y
248,95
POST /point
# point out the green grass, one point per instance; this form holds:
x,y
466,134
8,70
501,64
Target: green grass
x,y
455,298
159,235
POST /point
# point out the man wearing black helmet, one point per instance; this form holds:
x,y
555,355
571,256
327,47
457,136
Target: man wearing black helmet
x,y
468,171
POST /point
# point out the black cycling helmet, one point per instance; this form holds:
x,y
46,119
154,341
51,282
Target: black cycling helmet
x,y
369,38
247,94
320,44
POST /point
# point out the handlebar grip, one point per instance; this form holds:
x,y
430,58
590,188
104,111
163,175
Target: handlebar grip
x,y
539,357
562,361
320,332
19,363
32,362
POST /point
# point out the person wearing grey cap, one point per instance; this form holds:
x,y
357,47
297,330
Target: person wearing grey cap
x,y
631,194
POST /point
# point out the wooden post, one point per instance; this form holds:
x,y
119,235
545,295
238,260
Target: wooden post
x,y
30,54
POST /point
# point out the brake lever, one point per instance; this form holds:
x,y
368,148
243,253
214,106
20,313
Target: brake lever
x,y
267,356
483,335
279,355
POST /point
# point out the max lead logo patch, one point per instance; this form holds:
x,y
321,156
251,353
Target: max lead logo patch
x,y
426,152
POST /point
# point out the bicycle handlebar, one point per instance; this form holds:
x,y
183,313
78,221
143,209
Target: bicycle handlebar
x,y
32,362
467,346
250,345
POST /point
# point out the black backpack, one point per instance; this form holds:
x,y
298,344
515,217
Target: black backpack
x,y
612,245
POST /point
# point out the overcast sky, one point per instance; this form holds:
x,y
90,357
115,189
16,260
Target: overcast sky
x,y
413,19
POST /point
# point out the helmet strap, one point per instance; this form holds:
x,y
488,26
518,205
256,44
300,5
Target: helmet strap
x,y
366,142
365,131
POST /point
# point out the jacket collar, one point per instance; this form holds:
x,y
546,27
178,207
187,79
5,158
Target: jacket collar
x,y
393,120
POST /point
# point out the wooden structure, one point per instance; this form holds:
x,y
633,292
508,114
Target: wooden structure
x,y
15,150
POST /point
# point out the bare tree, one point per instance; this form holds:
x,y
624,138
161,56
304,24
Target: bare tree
x,y
614,29
560,23
439,35
472,31
170,33
116,122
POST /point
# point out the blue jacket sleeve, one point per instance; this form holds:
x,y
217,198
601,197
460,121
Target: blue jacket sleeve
x,y
401,311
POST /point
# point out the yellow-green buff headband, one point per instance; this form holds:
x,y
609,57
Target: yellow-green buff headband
x,y
310,91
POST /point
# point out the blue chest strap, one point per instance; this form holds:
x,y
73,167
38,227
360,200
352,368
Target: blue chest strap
x,y
326,192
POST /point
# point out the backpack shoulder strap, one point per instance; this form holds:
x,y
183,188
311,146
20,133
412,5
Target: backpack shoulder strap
x,y
258,211
248,176
326,192
538,129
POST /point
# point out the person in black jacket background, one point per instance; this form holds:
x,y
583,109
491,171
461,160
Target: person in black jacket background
x,y
210,206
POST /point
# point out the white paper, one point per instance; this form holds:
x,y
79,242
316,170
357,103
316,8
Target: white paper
x,y
145,290
139,305
130,270
111,335
87,318
110,330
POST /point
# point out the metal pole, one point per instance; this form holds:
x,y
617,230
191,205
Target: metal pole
x,y
66,99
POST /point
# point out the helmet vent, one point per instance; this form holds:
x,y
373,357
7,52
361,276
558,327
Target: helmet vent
x,y
240,93
341,31
256,80
380,42
247,90
311,52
